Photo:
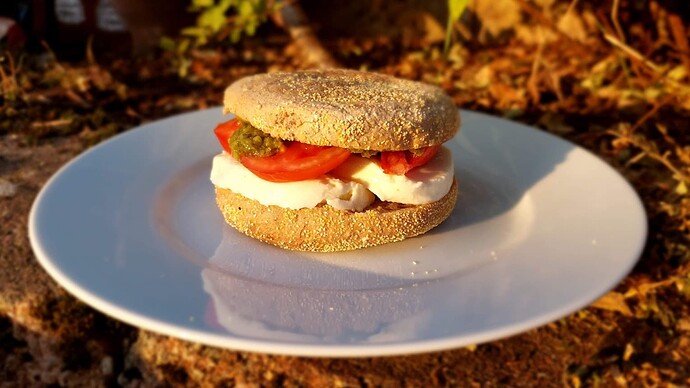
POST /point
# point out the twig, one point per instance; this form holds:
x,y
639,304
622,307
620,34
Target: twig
x,y
681,39
555,78
663,159
614,20
51,123
631,51
626,72
649,152
570,9
651,113
291,17
658,71
532,81
543,20
8,81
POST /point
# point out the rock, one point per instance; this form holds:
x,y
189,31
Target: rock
x,y
7,188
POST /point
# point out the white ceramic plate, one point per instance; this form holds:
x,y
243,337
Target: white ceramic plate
x,y
542,228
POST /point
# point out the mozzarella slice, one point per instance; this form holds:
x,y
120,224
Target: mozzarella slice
x,y
348,187
230,174
424,184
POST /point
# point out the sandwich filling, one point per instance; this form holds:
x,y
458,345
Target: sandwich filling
x,y
350,186
296,175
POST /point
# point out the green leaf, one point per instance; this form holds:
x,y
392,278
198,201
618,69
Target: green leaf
x,y
246,9
183,46
250,29
455,10
167,43
213,18
224,5
193,31
202,3
677,73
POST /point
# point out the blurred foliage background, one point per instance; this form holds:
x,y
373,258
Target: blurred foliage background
x,y
611,76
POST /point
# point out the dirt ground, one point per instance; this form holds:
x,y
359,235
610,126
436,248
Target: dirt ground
x,y
629,103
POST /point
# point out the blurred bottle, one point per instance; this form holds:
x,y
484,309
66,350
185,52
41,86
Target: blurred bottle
x,y
112,37
116,27
66,26
77,21
72,27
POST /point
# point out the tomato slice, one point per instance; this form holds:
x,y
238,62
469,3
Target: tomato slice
x,y
298,161
295,162
224,130
400,162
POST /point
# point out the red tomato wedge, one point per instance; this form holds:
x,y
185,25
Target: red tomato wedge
x,y
400,162
297,162
223,132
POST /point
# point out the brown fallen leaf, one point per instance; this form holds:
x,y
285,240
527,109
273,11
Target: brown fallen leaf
x,y
613,301
507,96
628,352
496,16
571,25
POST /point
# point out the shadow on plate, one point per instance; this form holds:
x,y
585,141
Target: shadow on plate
x,y
497,162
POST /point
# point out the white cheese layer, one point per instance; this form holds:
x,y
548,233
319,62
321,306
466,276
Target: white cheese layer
x,y
348,187
424,184
230,174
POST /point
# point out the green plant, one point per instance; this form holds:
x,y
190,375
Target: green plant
x,y
217,19
9,88
455,11
238,17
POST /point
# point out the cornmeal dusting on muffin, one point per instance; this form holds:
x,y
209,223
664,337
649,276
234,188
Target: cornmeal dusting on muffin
x,y
339,110
325,229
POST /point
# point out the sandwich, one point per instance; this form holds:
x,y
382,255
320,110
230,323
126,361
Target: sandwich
x,y
334,160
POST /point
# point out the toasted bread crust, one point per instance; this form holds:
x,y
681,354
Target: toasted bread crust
x,y
345,108
326,229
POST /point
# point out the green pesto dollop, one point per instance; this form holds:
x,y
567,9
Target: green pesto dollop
x,y
250,141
